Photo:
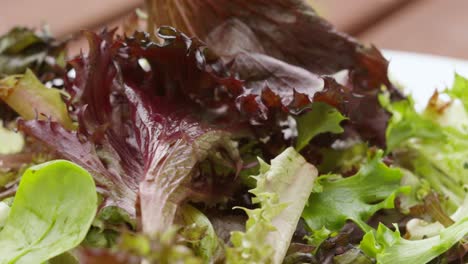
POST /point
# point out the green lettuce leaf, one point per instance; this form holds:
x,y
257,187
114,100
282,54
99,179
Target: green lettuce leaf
x,y
319,119
431,146
407,124
459,90
355,198
418,228
12,142
201,235
30,98
164,247
52,211
388,247
282,191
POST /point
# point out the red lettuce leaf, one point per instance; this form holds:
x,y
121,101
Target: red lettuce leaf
x,y
140,130
289,31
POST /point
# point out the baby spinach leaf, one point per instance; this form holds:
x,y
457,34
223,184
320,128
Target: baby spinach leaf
x,y
51,214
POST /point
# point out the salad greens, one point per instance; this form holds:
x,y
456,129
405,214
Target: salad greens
x,y
171,125
282,191
51,213
26,95
321,118
389,247
357,198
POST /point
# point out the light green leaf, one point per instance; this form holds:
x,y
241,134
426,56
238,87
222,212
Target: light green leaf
x,y
388,247
201,235
282,191
407,124
418,228
459,90
53,209
320,119
12,142
435,152
355,198
30,99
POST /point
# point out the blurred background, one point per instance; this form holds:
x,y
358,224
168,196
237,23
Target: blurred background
x,y
438,27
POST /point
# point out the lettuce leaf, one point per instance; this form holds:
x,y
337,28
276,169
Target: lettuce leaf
x,y
51,213
282,59
355,198
201,235
30,99
431,146
320,119
139,135
459,89
388,247
282,191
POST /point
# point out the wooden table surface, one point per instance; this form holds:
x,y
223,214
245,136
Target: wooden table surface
x,y
429,26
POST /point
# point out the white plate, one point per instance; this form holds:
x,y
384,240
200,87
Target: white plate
x,y
421,74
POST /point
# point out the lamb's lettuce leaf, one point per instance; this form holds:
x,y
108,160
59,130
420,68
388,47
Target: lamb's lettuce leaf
x,y
388,246
51,213
281,192
336,200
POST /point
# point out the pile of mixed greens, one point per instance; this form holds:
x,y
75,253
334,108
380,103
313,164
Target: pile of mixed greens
x,y
264,137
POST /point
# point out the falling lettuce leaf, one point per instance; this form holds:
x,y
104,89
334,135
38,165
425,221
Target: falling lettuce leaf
x,y
355,198
51,213
282,191
388,247
320,119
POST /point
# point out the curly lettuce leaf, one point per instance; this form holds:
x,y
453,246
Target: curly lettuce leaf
x,y
459,90
281,72
321,118
355,198
139,134
406,124
51,213
389,247
281,192
432,149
